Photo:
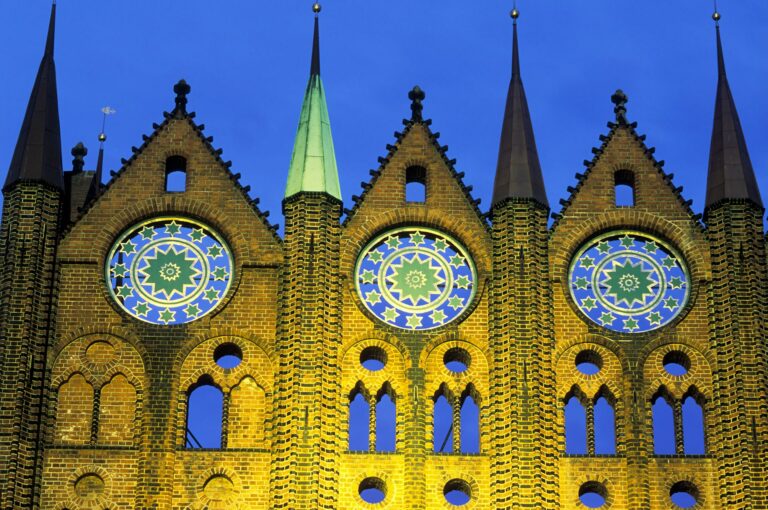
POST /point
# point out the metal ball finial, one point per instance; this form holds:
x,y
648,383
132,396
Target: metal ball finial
x,y
514,14
716,16
316,7
102,137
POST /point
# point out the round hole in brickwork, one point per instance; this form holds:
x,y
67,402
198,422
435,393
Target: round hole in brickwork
x,y
228,355
372,490
373,358
676,363
89,486
684,494
589,362
100,352
593,494
457,360
457,492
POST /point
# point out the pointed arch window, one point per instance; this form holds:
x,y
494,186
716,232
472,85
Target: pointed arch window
x,y
205,411
386,420
664,441
694,441
470,422
416,184
359,419
175,174
605,423
442,421
575,423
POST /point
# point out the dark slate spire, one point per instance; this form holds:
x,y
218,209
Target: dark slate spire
x,y
314,67
37,157
730,172
518,173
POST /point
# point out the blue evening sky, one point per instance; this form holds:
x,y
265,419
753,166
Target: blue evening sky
x,y
248,63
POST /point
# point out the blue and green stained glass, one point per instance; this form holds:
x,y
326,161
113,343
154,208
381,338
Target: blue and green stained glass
x,y
629,282
415,278
169,270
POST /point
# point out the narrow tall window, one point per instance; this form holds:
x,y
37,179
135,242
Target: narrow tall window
x,y
575,426
443,425
175,174
386,418
693,426
205,407
359,422
605,427
470,426
625,188
416,184
663,426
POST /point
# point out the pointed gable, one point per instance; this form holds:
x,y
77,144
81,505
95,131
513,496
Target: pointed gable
x,y
37,157
313,162
518,172
730,174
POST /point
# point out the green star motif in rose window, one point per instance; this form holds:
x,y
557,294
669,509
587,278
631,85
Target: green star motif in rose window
x,y
119,270
220,273
417,238
211,295
587,262
128,247
463,282
415,279
651,247
455,302
629,283
676,283
192,310
581,283
368,276
438,316
589,304
631,324
197,235
607,318
393,242
440,244
375,256
147,232
170,272
141,309
214,251
457,261
603,247
172,228
670,303
125,291
627,241
414,321
373,297
167,316
390,315
669,262
654,318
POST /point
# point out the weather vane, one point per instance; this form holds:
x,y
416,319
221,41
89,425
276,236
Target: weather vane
x,y
107,110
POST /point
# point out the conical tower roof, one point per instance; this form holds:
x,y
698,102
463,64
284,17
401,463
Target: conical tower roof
x,y
313,163
730,174
518,172
37,157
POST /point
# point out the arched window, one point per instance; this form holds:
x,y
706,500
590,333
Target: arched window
x,y
470,425
624,188
575,424
693,425
205,406
605,425
416,184
175,174
386,421
663,425
359,420
442,420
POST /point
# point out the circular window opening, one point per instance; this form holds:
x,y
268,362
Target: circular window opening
x,y
457,492
228,355
684,495
373,358
372,490
457,360
589,362
676,363
593,494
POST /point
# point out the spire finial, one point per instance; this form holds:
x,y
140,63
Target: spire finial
x,y
106,111
514,13
416,95
716,15
619,98
79,152
314,68
181,89
316,8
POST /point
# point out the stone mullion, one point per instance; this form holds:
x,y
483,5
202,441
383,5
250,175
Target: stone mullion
x,y
677,407
590,411
96,410
372,423
456,421
226,402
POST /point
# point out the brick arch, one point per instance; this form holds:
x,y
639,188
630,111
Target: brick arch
x,y
476,239
478,499
690,242
372,338
221,335
581,479
103,501
590,338
436,374
394,371
699,375
117,332
202,500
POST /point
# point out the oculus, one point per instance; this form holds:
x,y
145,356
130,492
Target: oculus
x,y
169,270
629,282
415,278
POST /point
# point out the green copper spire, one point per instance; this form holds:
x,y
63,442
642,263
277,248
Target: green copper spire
x,y
313,163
